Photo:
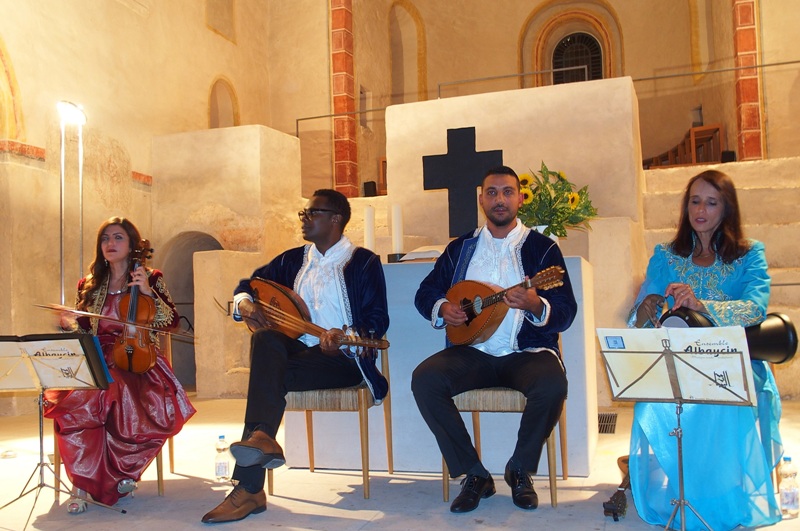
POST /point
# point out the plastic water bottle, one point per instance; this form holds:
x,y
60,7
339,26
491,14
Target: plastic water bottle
x,y
222,462
790,503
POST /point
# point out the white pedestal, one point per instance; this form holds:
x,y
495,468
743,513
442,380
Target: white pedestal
x,y
412,340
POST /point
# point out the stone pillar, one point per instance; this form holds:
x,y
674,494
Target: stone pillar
x,y
750,135
345,158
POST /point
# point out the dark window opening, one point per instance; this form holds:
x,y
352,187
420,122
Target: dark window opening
x,y
578,49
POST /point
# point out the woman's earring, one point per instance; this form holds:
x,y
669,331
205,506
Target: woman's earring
x,y
106,261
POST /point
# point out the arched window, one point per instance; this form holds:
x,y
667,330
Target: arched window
x,y
577,49
223,108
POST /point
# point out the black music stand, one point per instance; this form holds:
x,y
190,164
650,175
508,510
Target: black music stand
x,y
51,361
692,365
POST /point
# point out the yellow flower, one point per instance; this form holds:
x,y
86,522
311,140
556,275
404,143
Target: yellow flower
x,y
527,195
573,200
549,199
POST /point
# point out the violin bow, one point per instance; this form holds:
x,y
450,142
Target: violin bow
x,y
59,308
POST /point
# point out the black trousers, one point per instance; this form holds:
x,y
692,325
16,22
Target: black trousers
x,y
538,375
279,364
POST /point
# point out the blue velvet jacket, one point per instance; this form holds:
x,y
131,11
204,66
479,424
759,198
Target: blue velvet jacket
x,y
361,282
534,253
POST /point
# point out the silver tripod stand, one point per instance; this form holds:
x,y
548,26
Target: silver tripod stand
x,y
50,361
681,503
40,468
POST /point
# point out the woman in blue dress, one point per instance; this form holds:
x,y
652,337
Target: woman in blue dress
x,y
728,451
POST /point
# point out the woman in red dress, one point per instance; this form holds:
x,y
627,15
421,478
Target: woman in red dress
x,y
108,437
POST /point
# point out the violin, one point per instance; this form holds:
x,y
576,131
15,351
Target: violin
x,y
134,351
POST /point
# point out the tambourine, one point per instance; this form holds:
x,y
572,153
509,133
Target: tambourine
x,y
774,340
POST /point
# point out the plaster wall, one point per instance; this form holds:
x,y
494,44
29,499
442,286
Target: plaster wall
x,y
299,61
138,68
227,183
781,84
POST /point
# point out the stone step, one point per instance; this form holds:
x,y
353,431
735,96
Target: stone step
x,y
781,241
785,290
759,206
777,173
787,374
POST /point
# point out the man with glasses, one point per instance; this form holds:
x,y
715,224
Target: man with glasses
x,y
341,284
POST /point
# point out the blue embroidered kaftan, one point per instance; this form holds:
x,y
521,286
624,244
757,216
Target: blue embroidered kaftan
x,y
728,451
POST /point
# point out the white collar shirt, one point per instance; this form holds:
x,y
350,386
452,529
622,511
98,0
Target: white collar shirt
x,y
320,284
495,262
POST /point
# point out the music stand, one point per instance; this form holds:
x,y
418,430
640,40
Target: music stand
x,y
40,362
691,365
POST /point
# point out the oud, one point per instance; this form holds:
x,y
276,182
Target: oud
x,y
282,309
484,306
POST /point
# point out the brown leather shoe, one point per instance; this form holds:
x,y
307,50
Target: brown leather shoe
x,y
237,505
259,449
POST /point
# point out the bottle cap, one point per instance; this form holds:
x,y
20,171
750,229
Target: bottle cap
x,y
787,458
222,437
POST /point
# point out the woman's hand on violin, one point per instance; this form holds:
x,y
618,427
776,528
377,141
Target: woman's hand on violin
x,y
684,297
139,278
330,341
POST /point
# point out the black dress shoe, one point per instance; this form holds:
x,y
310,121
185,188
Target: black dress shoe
x,y
237,505
259,449
473,488
522,492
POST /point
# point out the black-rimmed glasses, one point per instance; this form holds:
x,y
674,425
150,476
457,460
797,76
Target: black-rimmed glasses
x,y
307,214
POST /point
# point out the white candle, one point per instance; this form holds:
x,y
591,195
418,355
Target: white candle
x,y
369,227
397,229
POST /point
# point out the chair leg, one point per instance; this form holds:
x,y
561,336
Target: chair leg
x,y
171,447
310,439
551,468
476,431
387,422
56,466
445,481
160,471
363,420
269,481
562,439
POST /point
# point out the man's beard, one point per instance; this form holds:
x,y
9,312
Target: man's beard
x,y
501,223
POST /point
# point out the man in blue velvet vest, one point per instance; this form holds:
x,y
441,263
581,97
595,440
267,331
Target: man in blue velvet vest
x,y
521,353
341,284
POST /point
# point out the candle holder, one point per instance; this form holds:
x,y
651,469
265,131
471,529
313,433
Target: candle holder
x,y
394,258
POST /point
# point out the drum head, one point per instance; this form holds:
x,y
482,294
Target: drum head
x,y
684,318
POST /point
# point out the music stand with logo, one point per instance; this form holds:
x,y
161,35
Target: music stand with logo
x,y
40,362
689,365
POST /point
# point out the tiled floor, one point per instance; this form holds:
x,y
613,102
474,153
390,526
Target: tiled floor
x,y
323,500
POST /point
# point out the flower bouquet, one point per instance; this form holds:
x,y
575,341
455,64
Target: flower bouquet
x,y
550,200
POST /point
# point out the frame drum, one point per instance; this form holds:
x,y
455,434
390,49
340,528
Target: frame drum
x,y
774,340
684,318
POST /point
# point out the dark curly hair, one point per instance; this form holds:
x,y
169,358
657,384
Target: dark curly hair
x,y
98,269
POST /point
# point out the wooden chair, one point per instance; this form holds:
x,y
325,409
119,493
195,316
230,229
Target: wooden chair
x,y
166,344
505,400
356,398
